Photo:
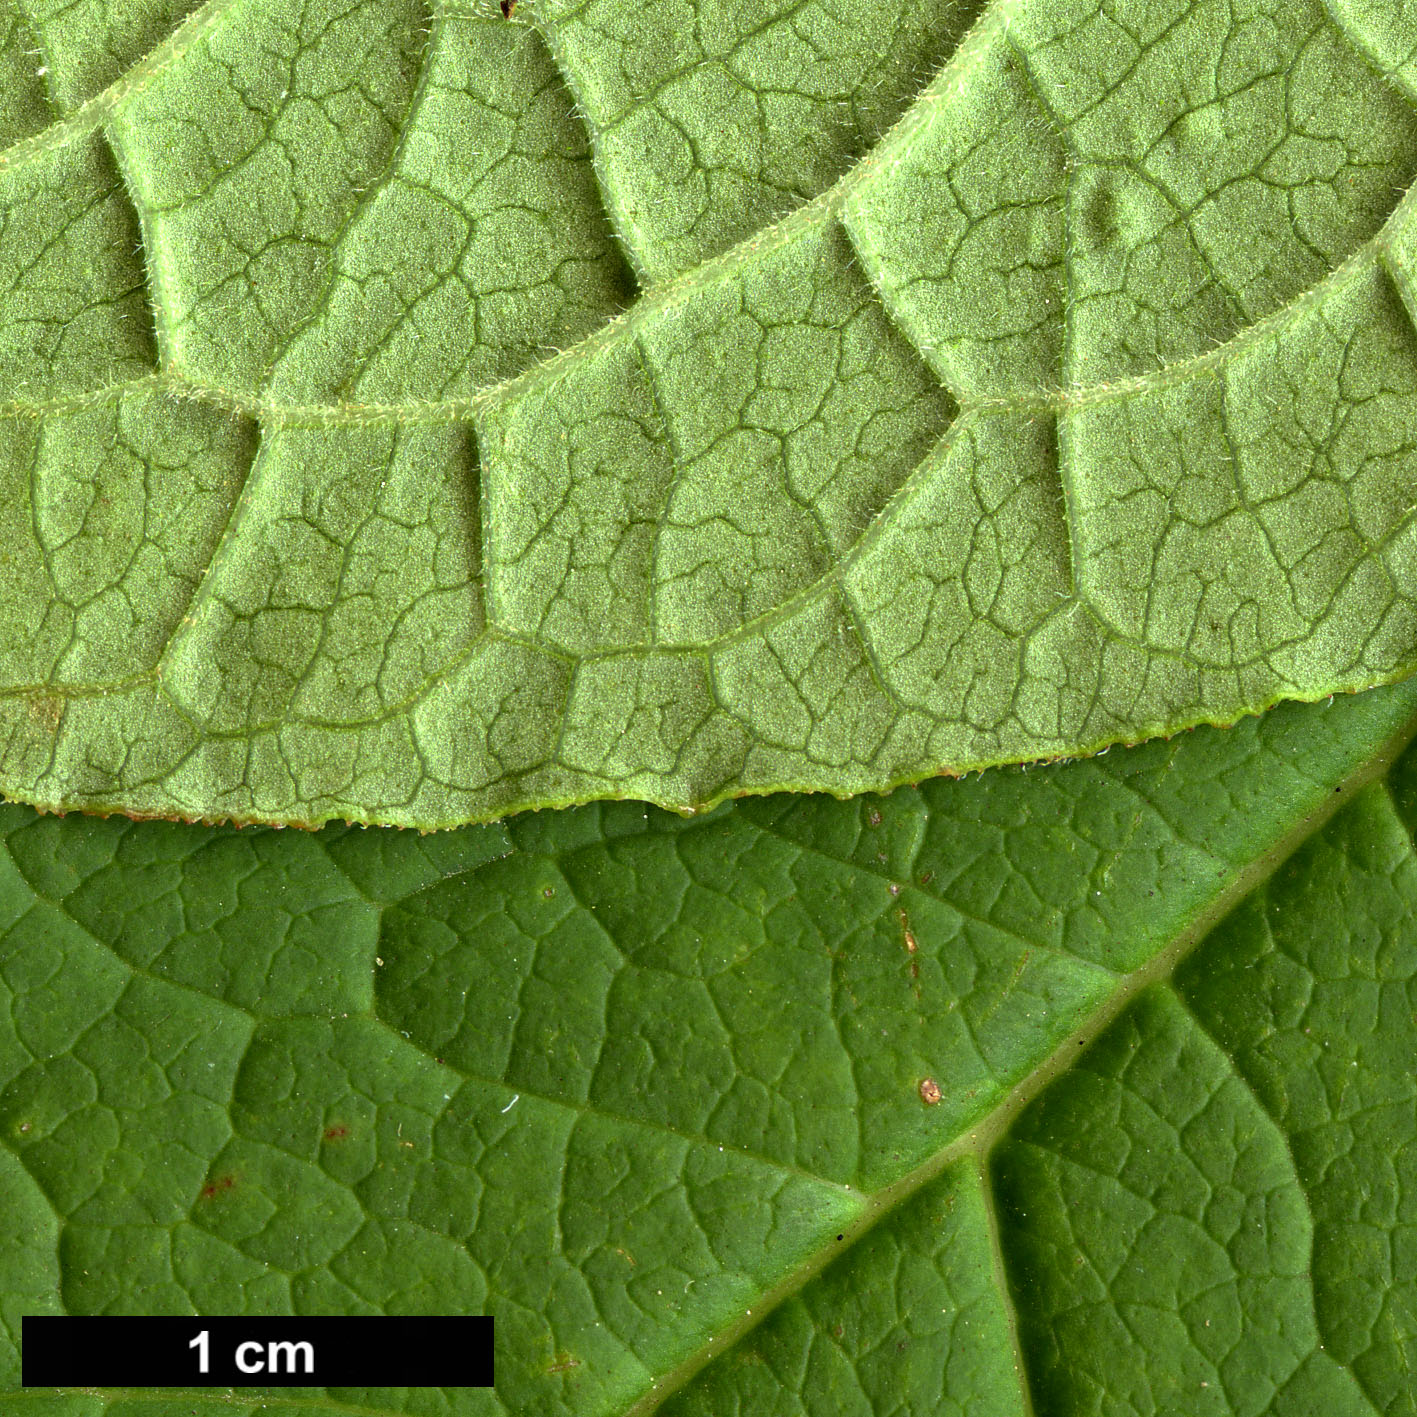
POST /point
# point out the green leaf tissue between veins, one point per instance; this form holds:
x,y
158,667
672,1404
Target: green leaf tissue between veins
x,y
412,414
647,1090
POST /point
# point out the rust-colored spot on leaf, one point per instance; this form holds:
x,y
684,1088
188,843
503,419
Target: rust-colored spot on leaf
x,y
911,948
930,1092
906,931
336,1133
215,1187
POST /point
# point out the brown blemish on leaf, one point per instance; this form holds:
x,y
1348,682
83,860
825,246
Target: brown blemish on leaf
x,y
336,1133
907,933
564,1363
930,1092
47,710
911,948
215,1188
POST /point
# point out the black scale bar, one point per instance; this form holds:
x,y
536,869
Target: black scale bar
x,y
352,1351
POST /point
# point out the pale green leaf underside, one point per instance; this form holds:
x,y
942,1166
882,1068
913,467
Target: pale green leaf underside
x,y
648,1090
412,414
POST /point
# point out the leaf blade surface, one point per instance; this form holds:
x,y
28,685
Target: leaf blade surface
x,y
1056,393
622,1079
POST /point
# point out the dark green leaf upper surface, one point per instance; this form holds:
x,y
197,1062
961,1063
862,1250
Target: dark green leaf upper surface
x,y
410,413
1081,1090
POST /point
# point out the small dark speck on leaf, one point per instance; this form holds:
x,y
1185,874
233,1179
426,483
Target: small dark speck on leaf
x,y
214,1188
930,1092
336,1133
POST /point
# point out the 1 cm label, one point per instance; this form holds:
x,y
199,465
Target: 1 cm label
x,y
252,1357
